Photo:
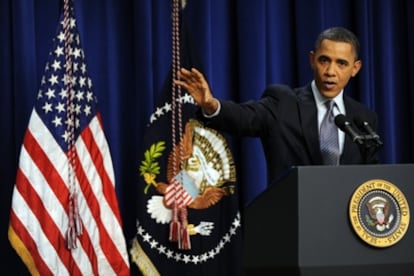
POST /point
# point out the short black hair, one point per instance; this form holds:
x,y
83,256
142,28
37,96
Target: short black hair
x,y
339,34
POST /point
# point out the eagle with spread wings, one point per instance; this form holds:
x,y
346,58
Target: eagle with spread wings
x,y
206,158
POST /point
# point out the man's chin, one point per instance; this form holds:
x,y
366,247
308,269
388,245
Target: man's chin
x,y
329,93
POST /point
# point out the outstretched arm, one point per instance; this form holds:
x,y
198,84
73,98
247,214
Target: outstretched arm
x,y
194,82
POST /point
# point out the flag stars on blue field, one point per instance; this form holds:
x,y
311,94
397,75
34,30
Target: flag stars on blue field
x,y
147,237
82,82
196,259
53,80
190,258
169,254
63,93
53,102
59,51
57,121
162,249
50,93
159,112
72,23
60,107
56,65
47,107
153,244
167,107
187,99
87,110
76,53
204,257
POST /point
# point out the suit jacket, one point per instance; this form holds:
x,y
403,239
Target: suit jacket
x,y
285,119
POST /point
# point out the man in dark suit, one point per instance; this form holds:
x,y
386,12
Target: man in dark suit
x,y
288,121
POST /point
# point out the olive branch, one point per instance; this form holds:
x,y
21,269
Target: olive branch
x,y
149,167
369,221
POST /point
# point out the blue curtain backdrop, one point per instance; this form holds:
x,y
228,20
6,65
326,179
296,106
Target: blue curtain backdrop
x,y
244,45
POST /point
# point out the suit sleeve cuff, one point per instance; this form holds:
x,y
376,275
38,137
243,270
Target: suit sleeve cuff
x,y
215,112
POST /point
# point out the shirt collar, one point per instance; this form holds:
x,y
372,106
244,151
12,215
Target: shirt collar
x,y
320,99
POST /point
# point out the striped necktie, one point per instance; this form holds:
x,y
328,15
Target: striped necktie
x,y
328,136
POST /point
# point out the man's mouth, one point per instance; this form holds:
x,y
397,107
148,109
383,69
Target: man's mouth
x,y
329,84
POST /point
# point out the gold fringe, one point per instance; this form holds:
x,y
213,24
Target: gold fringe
x,y
22,251
141,260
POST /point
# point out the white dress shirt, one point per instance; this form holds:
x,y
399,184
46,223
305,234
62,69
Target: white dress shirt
x,y
322,109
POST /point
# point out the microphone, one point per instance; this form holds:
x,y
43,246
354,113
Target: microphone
x,y
361,123
345,125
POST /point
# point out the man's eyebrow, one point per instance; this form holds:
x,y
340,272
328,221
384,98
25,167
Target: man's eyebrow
x,y
324,56
342,60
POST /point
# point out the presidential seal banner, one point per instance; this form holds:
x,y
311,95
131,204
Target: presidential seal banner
x,y
188,207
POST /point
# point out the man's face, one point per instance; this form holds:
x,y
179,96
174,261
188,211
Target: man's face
x,y
333,65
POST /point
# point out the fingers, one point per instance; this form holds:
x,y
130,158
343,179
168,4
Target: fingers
x,y
197,73
189,79
190,76
181,83
194,82
184,73
186,76
182,78
197,76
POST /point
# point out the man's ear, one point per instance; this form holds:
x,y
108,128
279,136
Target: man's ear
x,y
356,67
311,59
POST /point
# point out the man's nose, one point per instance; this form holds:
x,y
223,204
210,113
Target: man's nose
x,y
330,69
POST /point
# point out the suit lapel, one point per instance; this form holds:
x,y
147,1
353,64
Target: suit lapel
x,y
308,117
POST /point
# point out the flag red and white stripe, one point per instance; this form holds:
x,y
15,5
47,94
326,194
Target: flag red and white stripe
x,y
40,204
39,217
175,194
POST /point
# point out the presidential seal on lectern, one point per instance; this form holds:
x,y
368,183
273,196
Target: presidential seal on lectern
x,y
379,213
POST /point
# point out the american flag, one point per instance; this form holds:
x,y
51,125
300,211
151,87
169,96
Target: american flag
x,y
64,175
